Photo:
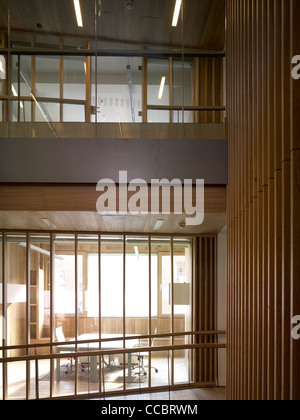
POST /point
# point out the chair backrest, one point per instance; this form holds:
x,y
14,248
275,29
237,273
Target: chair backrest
x,y
60,334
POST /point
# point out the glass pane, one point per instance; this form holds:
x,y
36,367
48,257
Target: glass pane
x,y
46,112
161,368
73,113
112,369
88,322
165,284
177,116
158,82
136,366
182,364
182,287
74,78
39,287
16,380
25,74
182,83
88,370
119,89
161,320
111,286
39,379
64,371
137,286
16,292
47,76
182,291
64,286
158,116
20,111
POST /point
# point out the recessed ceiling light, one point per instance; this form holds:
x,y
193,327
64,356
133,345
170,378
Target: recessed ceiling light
x,y
129,4
49,223
78,13
158,224
176,12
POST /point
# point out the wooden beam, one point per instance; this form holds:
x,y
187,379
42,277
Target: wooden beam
x,y
83,198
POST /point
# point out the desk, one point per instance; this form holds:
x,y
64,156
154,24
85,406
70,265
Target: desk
x,y
106,345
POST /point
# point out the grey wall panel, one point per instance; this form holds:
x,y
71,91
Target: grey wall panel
x,y
89,160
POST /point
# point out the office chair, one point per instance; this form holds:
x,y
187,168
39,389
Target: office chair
x,y
60,336
140,356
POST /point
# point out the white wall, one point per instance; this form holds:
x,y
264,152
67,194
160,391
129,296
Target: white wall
x,y
222,280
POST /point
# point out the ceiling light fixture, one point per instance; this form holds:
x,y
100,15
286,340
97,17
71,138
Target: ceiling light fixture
x,y
136,250
15,94
162,86
14,90
40,250
129,4
78,13
176,12
158,224
49,223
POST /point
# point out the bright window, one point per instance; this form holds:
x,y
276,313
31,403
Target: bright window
x,y
137,284
64,296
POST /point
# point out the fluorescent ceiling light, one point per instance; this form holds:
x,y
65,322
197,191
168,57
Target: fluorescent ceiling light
x,y
40,250
49,223
78,13
176,12
15,94
14,90
158,224
162,86
136,250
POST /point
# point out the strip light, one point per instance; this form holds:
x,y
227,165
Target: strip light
x,y
49,223
40,250
15,94
78,13
162,86
158,224
176,12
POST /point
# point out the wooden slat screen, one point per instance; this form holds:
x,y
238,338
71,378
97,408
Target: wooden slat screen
x,y
263,198
205,310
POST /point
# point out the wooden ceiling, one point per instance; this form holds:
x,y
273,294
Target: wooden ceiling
x,y
93,222
73,208
146,26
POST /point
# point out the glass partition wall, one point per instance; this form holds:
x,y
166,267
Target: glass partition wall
x,y
93,315
53,70
83,89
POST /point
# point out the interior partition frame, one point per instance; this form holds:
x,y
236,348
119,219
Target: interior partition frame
x,y
28,348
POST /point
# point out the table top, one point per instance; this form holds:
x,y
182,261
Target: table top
x,y
108,345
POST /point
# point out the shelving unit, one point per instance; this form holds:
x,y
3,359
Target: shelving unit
x,y
36,303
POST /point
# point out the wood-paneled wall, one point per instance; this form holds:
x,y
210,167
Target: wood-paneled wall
x,y
263,199
209,88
